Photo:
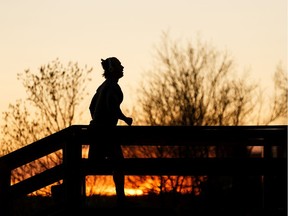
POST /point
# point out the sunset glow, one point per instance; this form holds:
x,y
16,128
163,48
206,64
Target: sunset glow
x,y
198,119
110,191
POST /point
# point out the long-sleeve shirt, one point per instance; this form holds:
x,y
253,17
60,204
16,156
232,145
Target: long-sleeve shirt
x,y
105,104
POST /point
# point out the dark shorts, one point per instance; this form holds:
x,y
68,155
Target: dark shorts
x,y
103,144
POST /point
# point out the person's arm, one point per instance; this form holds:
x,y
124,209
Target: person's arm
x,y
127,120
120,115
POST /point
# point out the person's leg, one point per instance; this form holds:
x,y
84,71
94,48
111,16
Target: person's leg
x,y
118,175
119,180
98,145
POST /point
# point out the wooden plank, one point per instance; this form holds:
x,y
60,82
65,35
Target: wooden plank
x,y
37,182
190,135
189,166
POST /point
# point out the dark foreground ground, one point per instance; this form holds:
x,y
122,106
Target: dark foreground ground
x,y
141,205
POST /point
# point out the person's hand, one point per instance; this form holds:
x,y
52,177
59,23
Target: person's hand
x,y
129,121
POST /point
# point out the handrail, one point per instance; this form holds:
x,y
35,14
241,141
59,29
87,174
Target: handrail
x,y
36,149
70,140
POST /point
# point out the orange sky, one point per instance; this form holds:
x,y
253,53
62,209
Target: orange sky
x,y
35,32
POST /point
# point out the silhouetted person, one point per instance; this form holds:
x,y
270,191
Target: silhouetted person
x,y
105,112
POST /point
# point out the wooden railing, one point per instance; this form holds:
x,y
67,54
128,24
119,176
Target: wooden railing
x,y
74,167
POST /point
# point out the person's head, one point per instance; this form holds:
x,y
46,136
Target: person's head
x,y
112,68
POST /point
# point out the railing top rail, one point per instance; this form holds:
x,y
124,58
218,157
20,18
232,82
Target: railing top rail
x,y
36,149
194,134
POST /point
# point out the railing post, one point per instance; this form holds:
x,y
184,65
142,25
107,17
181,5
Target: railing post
x,y
274,183
266,178
5,179
74,181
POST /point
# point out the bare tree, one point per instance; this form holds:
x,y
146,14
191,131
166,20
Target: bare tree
x,y
279,101
196,85
54,96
